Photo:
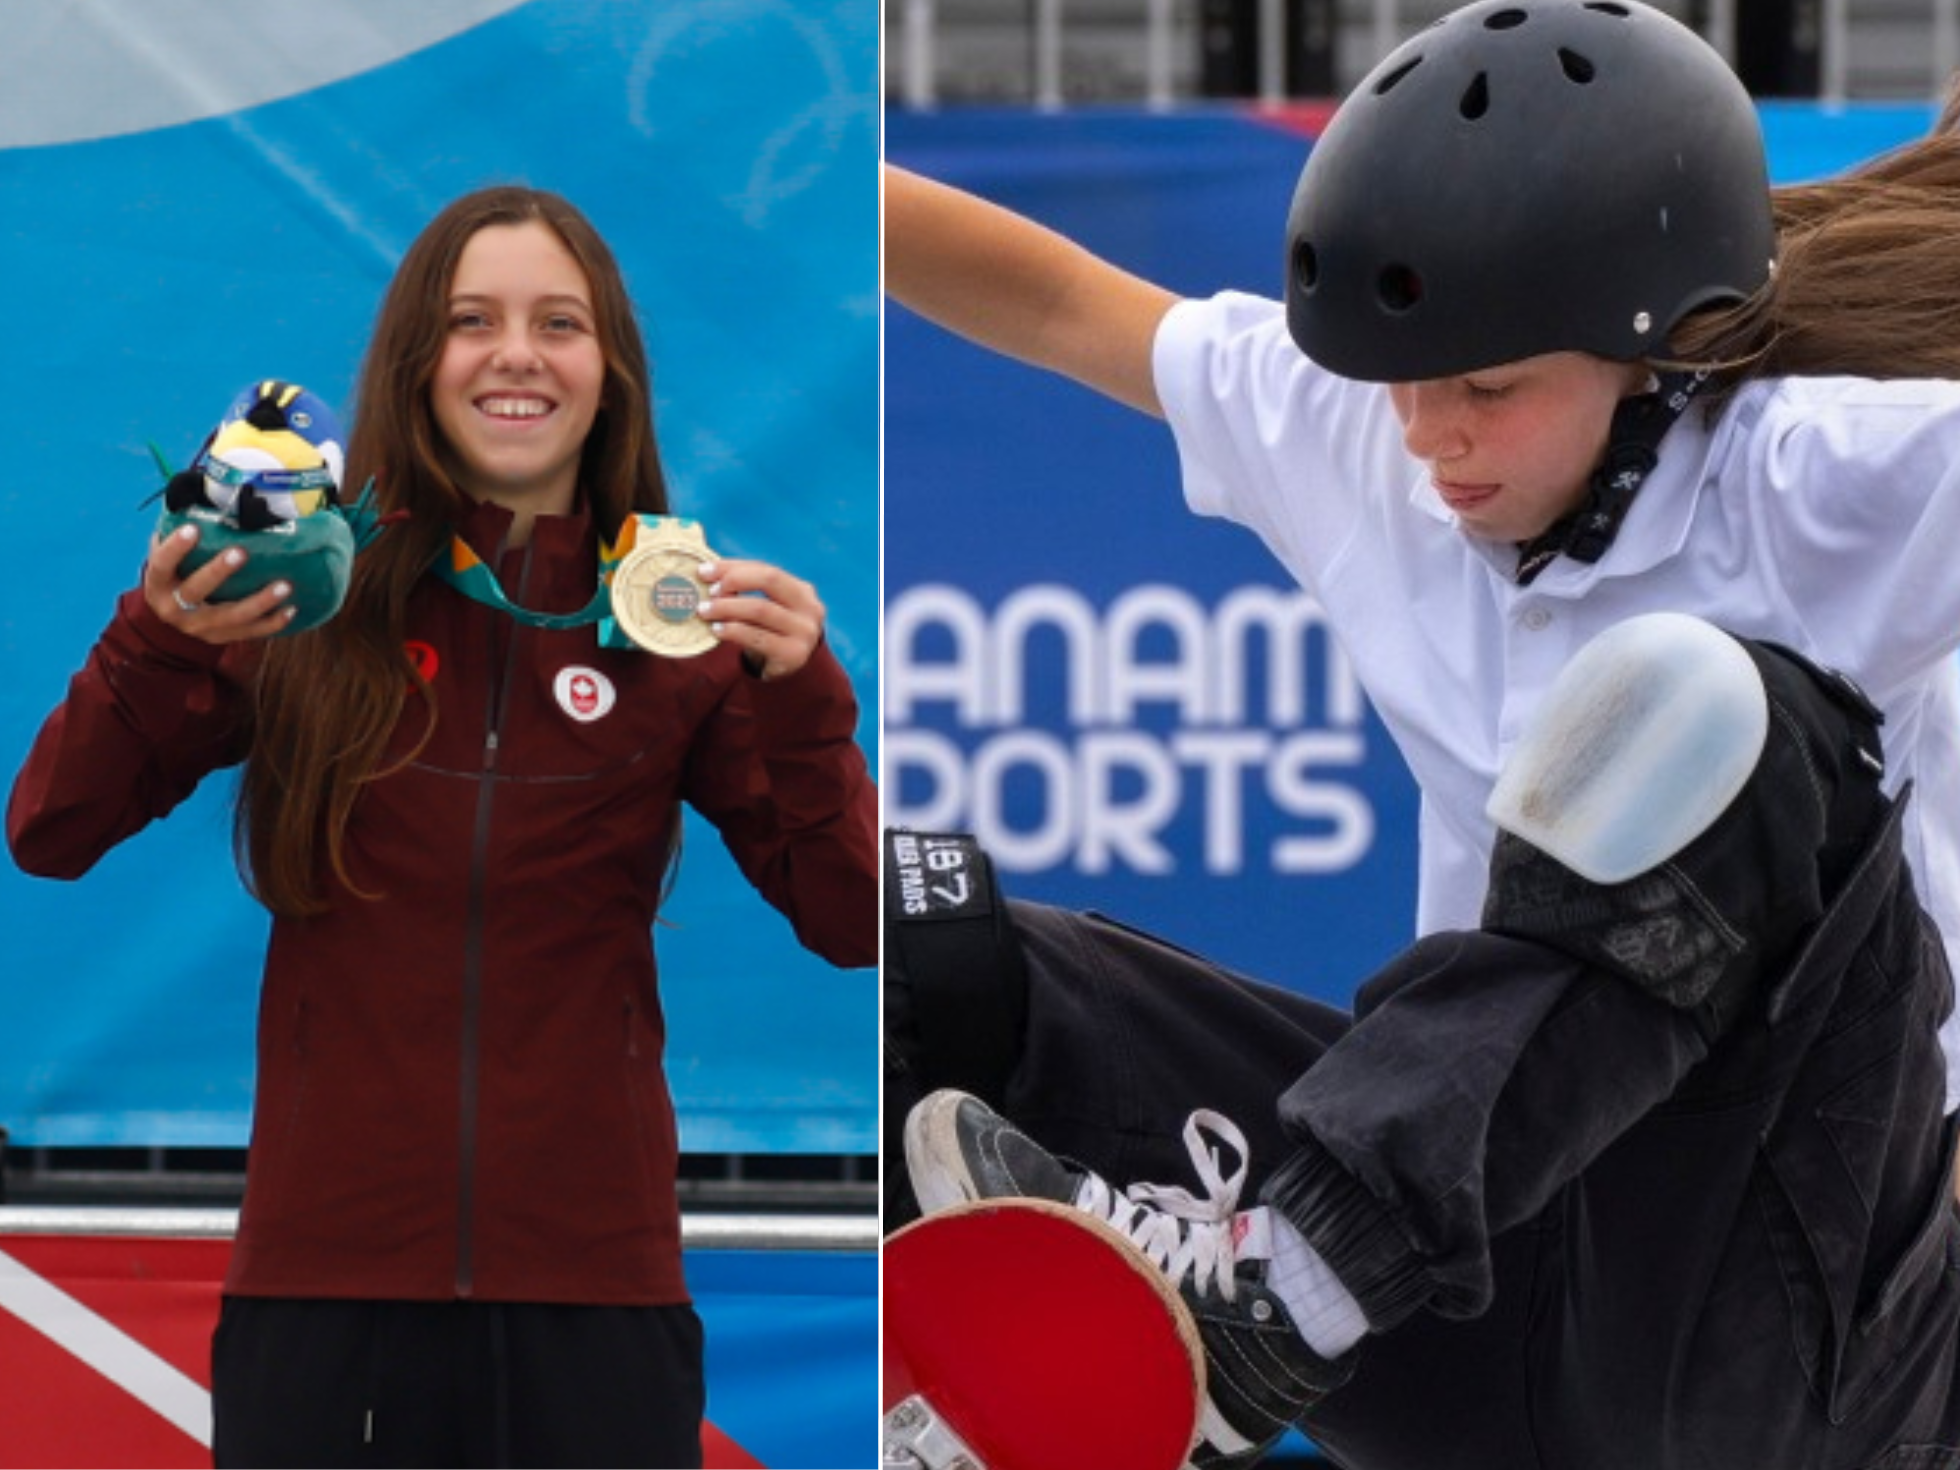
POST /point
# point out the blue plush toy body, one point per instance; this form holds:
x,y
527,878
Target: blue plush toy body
x,y
268,480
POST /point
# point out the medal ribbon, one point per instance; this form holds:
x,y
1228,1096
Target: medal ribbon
x,y
464,570
467,572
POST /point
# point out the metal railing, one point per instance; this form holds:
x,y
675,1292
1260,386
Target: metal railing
x,y
698,1232
1920,33
721,1183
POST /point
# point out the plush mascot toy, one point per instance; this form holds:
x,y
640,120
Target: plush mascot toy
x,y
268,480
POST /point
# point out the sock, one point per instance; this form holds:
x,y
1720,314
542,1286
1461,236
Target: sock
x,y
1324,1311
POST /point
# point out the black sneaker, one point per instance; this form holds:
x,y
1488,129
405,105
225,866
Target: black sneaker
x,y
1260,1374
958,1149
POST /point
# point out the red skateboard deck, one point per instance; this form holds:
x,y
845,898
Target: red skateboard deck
x,y
1025,1335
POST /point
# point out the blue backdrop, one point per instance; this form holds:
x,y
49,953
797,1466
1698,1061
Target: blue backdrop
x,y
194,197
1133,707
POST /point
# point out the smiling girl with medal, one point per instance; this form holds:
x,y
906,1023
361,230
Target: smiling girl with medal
x,y
461,802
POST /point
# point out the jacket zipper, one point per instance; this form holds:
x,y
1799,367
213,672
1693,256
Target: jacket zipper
x,y
472,1037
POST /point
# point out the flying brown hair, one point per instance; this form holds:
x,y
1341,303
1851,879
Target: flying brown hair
x,y
329,699
1867,279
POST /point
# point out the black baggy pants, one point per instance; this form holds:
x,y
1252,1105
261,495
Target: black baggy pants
x,y
348,1383
1759,1272
1645,1176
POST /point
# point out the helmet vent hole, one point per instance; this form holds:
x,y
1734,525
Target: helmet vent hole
x,y
1606,7
1389,81
1576,67
1476,98
1399,288
1306,268
1504,20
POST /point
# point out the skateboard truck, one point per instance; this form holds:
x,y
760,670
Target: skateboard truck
x,y
916,1438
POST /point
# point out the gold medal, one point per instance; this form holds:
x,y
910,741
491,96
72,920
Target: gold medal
x,y
657,589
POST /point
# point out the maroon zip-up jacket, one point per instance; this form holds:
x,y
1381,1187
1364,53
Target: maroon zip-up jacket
x,y
460,1090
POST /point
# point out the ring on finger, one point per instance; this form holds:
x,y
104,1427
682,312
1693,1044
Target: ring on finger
x,y
177,596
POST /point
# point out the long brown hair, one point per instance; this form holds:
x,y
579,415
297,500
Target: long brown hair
x,y
1867,280
329,699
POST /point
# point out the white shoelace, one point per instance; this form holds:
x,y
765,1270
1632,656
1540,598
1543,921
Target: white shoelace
x,y
1175,1228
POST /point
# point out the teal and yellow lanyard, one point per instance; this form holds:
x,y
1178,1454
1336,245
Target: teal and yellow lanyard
x,y
467,572
464,570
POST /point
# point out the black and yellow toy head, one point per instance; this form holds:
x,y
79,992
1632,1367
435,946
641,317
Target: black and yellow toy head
x,y
276,455
268,482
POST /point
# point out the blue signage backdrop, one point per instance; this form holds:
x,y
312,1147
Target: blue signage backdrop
x,y
198,197
1135,708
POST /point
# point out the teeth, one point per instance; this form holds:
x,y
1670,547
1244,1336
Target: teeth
x,y
514,408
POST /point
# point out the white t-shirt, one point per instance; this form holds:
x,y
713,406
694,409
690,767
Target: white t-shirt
x,y
1822,513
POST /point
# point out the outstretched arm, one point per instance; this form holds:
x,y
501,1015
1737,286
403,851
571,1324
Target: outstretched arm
x,y
1007,283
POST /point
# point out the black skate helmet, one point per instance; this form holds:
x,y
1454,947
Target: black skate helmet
x,y
1527,176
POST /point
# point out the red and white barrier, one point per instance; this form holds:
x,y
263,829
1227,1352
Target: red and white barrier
x,y
106,1319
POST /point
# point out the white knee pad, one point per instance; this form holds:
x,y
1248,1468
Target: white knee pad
x,y
1642,742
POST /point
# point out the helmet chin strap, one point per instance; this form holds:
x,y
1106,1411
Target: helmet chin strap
x,y
1632,450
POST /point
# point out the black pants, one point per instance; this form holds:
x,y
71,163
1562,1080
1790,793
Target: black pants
x,y
347,1383
1643,1176
1761,1272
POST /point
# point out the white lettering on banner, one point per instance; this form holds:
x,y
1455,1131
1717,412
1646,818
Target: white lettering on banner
x,y
1106,791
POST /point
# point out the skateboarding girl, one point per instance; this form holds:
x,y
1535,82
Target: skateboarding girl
x,y
1551,357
